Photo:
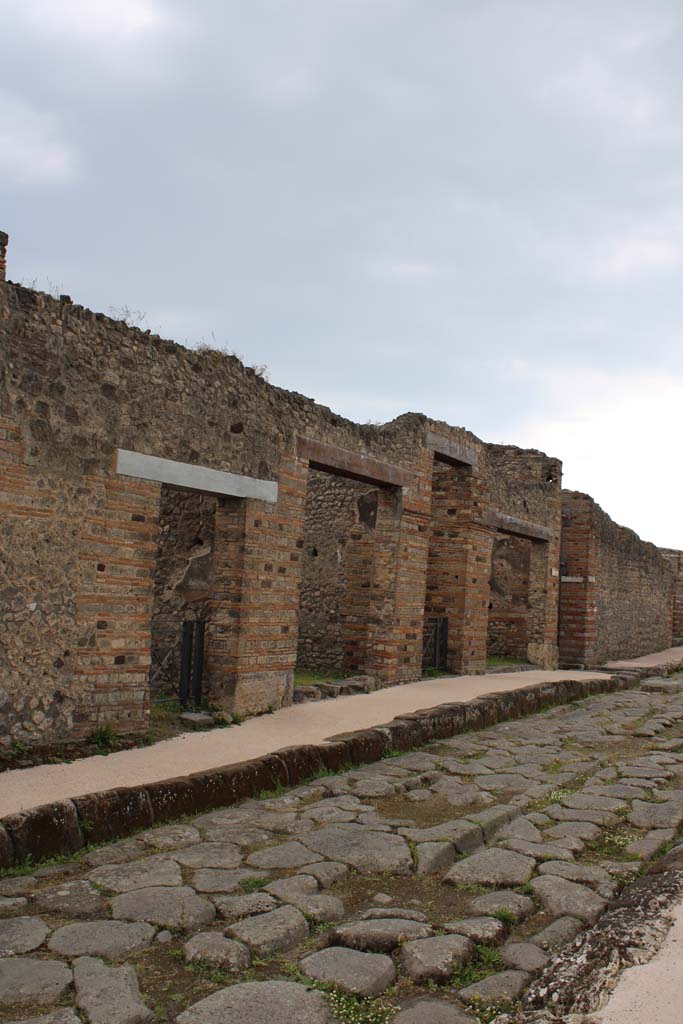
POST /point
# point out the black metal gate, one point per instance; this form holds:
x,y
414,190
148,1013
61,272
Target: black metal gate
x,y
435,642
192,662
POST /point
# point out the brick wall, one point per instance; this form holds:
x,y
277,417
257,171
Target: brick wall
x,y
617,590
81,549
508,621
675,560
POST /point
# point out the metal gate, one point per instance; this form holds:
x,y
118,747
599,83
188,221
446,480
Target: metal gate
x,y
435,642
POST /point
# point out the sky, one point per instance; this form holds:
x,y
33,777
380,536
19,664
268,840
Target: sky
x,y
467,208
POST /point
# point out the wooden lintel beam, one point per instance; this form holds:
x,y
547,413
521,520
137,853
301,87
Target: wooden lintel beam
x,y
354,465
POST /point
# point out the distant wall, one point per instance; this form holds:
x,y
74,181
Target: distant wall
x,y
675,560
617,590
508,631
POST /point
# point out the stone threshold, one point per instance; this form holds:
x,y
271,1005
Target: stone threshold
x,y
67,826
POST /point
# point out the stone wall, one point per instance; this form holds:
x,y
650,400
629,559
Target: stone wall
x,y
675,559
89,578
617,590
508,629
339,527
182,576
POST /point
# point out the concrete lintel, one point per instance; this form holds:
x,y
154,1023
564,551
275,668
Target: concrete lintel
x,y
508,524
193,478
572,579
451,451
355,465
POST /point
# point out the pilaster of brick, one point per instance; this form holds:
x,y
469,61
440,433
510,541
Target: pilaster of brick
x,y
578,615
4,242
459,566
118,544
252,635
544,587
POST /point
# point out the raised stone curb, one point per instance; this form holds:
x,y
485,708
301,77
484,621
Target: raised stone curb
x,y
64,827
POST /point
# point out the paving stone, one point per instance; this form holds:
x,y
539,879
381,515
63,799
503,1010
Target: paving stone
x,y
285,855
538,818
116,853
140,874
233,908
520,828
650,845
507,901
170,837
433,857
274,932
178,907
622,792
574,829
602,818
654,816
108,995
71,899
64,1016
433,1011
570,843
111,939
369,852
359,974
380,913
539,851
319,907
164,936
327,873
587,874
493,818
22,885
379,935
24,980
215,948
382,899
491,867
419,795
209,855
560,897
622,868
8,904
217,880
293,887
592,802
21,935
497,988
479,929
260,1002
435,959
374,788
557,934
465,836
523,956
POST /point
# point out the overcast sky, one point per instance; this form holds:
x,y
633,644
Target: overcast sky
x,y
468,208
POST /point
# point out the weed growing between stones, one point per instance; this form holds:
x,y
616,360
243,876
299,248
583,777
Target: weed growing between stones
x,y
505,916
254,884
486,1012
487,961
104,738
355,1010
613,842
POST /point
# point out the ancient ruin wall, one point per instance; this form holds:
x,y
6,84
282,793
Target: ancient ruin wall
x,y
338,533
675,560
617,590
508,629
182,577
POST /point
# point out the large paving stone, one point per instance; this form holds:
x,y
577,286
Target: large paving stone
x,y
215,948
602,818
65,1016
585,874
178,907
652,816
491,867
497,988
284,855
523,956
275,932
111,939
360,974
209,855
24,980
327,873
436,958
593,802
465,836
379,935
480,929
433,857
433,1011
539,851
561,898
573,830
507,901
294,887
108,995
369,852
139,874
557,934
21,935
71,899
260,1002
233,908
170,837
319,907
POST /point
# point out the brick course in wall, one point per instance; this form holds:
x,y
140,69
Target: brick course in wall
x,y
616,592
675,560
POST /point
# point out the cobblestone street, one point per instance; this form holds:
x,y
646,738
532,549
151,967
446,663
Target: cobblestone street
x,y
430,887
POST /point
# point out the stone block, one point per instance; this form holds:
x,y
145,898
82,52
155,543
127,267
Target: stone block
x,y
44,832
113,813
